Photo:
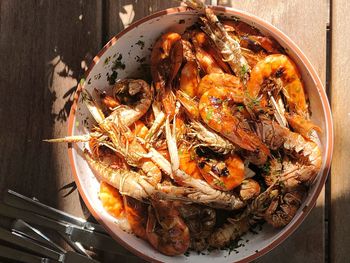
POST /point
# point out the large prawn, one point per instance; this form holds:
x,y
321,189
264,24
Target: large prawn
x,y
215,109
165,230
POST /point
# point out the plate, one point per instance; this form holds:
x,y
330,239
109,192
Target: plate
x,y
127,55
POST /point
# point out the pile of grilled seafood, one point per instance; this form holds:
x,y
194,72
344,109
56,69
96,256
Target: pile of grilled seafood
x,y
223,129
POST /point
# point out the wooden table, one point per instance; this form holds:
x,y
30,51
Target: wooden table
x,y
45,45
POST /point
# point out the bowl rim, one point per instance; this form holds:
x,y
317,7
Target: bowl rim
x,y
292,46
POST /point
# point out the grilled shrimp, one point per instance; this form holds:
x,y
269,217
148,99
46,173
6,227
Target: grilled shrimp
x,y
228,232
280,66
236,227
215,109
194,190
136,96
301,125
224,173
203,41
136,214
251,38
127,182
189,78
210,139
111,199
206,61
228,47
200,221
283,207
249,189
223,80
165,230
309,157
166,59
188,163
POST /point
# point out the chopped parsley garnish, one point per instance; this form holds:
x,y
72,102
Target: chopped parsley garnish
x,y
112,78
209,114
266,168
141,44
240,108
219,183
244,69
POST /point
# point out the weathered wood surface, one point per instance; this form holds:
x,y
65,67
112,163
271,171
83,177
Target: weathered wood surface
x,y
340,95
44,48
305,23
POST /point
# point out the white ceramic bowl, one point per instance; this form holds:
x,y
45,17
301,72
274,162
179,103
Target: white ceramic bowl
x,y
132,47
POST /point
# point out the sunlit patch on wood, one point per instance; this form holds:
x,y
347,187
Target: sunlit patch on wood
x,y
127,15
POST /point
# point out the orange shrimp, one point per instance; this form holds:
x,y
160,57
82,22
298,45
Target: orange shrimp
x,y
190,105
280,66
249,189
165,230
223,175
153,173
215,107
140,129
110,102
251,38
189,78
220,80
188,162
205,60
166,60
111,200
301,125
136,214
205,43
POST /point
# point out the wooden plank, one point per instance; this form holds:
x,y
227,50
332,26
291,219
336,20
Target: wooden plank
x,y
120,14
305,23
340,94
44,46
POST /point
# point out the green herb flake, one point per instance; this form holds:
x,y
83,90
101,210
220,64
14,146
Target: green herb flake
x,y
187,254
82,81
266,168
112,78
209,114
219,183
141,44
240,108
244,69
107,60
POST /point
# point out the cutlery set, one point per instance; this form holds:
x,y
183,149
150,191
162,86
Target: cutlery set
x,y
29,244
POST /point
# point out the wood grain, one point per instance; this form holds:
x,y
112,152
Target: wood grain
x,y
340,95
43,46
120,14
305,23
